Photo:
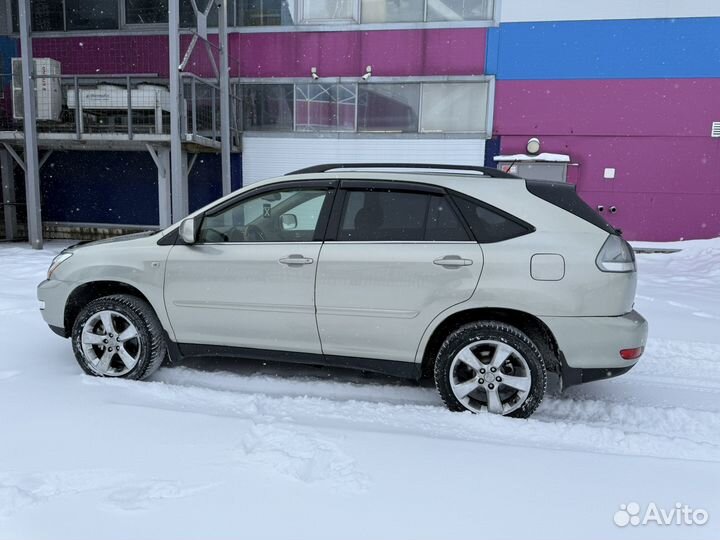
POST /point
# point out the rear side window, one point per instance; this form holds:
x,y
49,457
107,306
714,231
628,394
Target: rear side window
x,y
490,225
385,216
564,196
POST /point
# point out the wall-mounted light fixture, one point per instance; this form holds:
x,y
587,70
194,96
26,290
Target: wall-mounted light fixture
x,y
533,145
314,73
368,73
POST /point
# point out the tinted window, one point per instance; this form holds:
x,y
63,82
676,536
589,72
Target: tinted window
x,y
277,216
488,225
377,216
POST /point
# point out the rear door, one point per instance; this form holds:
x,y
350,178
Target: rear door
x,y
395,256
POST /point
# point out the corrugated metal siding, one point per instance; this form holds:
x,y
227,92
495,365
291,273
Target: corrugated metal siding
x,y
577,10
265,157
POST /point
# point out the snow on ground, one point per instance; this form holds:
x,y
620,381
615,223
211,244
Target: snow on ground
x,y
227,449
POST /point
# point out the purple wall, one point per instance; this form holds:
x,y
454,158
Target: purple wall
x,y
655,133
284,54
390,53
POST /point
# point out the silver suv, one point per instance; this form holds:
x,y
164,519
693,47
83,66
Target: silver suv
x,y
480,279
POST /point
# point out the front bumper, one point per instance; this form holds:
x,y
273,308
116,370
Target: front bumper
x,y
53,295
594,343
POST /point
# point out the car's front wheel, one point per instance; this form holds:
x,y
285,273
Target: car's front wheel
x,y
118,336
490,366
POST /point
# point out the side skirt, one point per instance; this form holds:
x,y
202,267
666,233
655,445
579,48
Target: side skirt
x,y
403,370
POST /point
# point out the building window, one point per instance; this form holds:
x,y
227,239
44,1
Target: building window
x,y
59,15
325,107
385,11
268,107
146,11
382,107
454,108
299,12
388,107
95,15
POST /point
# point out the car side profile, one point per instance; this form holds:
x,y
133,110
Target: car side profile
x,y
482,280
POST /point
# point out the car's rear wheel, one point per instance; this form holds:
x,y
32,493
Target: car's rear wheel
x,y
118,336
490,366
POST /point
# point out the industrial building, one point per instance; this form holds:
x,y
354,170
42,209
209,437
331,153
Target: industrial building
x,y
620,98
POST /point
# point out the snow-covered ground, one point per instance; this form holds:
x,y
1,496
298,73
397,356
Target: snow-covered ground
x,y
227,449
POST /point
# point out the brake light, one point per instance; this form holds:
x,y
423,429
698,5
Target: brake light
x,y
616,255
632,354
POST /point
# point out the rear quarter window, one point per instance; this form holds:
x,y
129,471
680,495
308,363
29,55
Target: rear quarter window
x,y
489,224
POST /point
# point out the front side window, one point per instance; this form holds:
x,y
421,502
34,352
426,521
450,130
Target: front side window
x,y
94,15
276,216
397,216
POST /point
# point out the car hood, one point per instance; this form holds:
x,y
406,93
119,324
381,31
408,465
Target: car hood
x,y
113,240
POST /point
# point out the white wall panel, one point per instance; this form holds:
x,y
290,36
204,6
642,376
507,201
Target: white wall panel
x,y
579,10
265,157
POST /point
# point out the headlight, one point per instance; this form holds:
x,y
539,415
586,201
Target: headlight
x,y
57,261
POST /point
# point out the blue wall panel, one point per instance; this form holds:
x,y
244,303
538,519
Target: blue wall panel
x,y
120,187
8,49
100,187
619,49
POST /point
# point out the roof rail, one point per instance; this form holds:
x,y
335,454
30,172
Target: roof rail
x,y
487,171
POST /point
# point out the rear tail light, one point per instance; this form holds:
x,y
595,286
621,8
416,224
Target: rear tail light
x,y
632,354
616,255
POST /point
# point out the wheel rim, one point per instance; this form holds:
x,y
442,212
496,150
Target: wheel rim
x,y
110,343
490,375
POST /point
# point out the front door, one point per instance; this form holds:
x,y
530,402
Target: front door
x,y
249,281
399,258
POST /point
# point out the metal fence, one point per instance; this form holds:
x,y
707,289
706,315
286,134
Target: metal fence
x,y
130,105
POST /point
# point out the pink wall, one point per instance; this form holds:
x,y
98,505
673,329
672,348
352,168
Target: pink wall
x,y
284,54
609,107
390,53
655,133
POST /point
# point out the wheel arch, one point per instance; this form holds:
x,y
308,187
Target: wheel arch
x,y
87,292
535,328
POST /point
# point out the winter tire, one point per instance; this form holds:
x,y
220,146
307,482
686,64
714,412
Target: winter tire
x,y
490,366
118,336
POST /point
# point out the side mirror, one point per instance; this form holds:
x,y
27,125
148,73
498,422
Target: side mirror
x,y
288,222
187,230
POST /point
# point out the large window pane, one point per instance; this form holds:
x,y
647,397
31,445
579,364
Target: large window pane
x,y
91,14
47,16
459,10
267,107
325,107
380,11
388,107
266,12
454,107
146,11
328,10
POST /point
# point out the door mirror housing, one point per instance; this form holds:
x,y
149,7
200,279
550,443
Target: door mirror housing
x,y
288,222
187,231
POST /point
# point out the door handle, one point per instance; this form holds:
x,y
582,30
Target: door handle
x,y
452,261
292,260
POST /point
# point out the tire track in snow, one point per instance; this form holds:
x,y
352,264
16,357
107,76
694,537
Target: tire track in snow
x,y
576,425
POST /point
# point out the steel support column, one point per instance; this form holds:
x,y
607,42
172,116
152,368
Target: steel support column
x,y
161,157
32,168
8,194
178,159
224,96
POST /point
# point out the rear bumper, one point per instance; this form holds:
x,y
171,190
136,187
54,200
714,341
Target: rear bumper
x,y
590,343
